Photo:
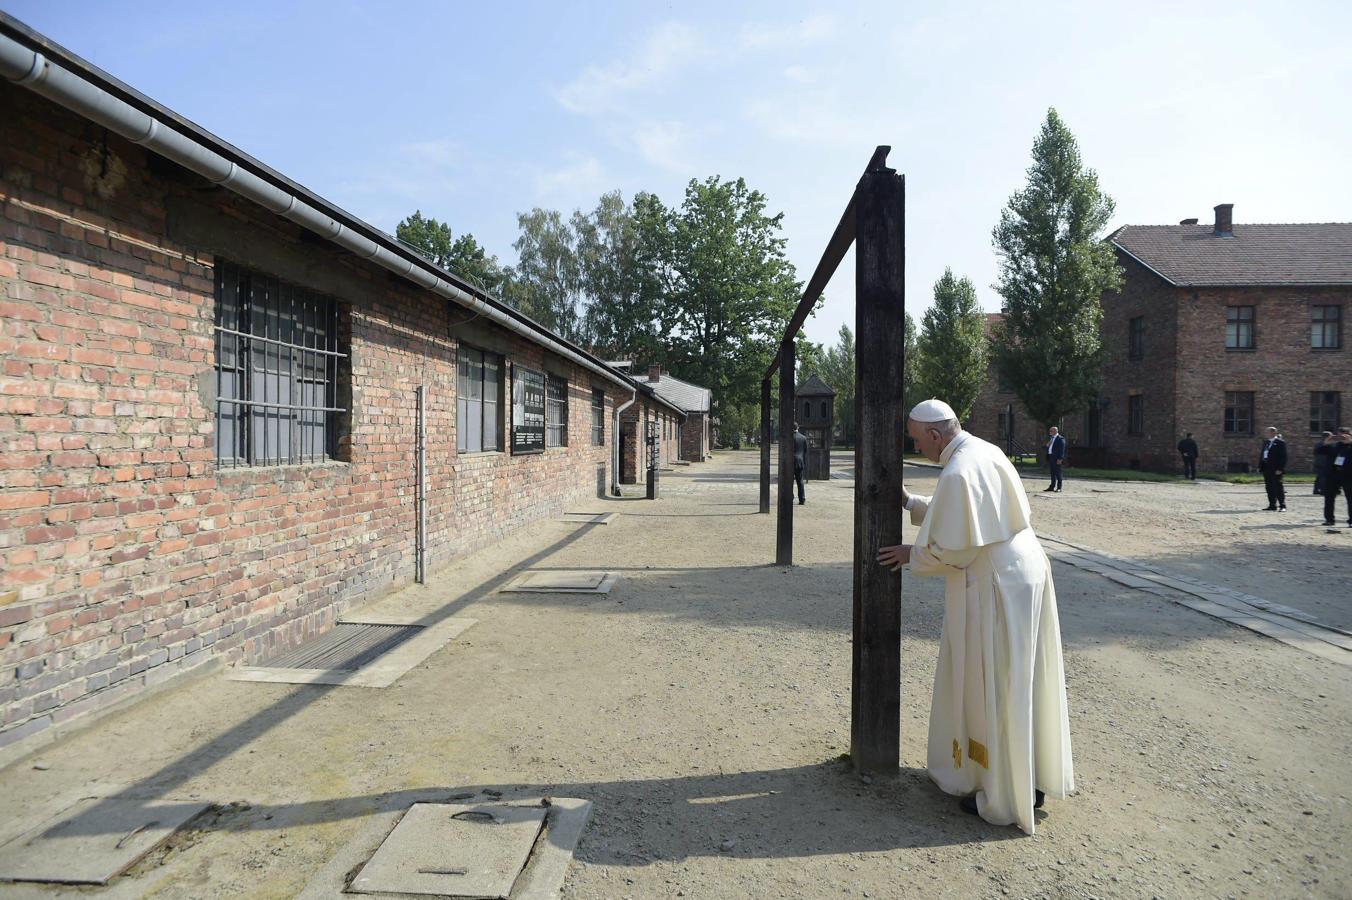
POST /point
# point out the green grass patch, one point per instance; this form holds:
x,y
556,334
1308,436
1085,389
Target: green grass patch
x,y
1101,474
1257,478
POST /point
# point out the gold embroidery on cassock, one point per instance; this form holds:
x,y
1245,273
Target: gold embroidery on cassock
x,y
976,751
957,754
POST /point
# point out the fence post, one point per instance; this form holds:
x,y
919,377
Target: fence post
x,y
765,447
880,263
784,529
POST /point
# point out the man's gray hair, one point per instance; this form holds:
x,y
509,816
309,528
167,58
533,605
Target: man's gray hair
x,y
947,428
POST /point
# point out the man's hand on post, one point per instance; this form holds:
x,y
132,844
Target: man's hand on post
x,y
895,557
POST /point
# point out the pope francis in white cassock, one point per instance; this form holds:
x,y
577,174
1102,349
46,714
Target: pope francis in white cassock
x,y
999,733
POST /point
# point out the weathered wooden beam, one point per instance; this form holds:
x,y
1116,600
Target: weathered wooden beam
x,y
765,447
880,267
784,527
836,248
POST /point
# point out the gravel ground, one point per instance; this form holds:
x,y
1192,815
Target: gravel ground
x,y
703,706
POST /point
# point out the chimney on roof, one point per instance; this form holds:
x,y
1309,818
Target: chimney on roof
x,y
654,373
1225,226
1187,222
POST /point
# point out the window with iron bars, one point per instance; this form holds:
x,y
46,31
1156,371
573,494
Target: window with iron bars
x,y
1135,414
598,406
556,412
278,366
1238,412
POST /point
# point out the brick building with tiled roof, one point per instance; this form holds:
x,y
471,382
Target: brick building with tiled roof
x,y
1219,330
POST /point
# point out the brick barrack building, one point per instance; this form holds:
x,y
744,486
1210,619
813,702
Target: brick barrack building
x,y
1220,330
214,387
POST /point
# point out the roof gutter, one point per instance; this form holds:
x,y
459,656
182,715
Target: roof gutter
x,y
31,69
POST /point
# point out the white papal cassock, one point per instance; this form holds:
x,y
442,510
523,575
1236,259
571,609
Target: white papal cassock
x,y
998,722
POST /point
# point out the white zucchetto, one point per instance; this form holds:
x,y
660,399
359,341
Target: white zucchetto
x,y
933,411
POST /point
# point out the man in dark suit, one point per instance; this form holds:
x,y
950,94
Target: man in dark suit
x,y
799,461
1272,463
1187,448
1322,461
1338,475
1056,454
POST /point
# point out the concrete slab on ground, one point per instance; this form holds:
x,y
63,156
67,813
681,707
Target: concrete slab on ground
x,y
387,863
93,841
379,673
572,582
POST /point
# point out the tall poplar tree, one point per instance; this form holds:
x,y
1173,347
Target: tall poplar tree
x,y
952,345
1054,268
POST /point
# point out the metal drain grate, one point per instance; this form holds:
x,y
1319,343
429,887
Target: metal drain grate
x,y
346,648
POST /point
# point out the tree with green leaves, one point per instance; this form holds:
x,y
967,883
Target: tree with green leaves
x,y
952,345
838,373
910,388
728,289
1054,268
547,276
462,255
618,279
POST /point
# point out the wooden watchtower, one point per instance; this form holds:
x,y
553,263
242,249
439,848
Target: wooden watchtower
x,y
816,403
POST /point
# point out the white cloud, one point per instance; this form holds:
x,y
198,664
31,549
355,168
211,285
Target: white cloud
x,y
665,144
600,89
579,177
812,30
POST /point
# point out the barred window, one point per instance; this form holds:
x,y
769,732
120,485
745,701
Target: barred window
x,y
598,407
278,364
1136,414
1136,338
1239,328
1326,327
1325,407
1239,412
478,401
556,412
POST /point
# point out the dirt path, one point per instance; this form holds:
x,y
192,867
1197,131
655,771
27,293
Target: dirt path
x,y
703,705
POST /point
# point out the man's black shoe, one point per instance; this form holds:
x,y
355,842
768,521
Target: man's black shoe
x,y
1038,798
1269,509
1281,509
1046,489
968,805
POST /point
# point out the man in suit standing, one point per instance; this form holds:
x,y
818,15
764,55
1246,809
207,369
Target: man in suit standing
x,y
1272,463
1322,461
1187,448
1056,454
799,461
1338,475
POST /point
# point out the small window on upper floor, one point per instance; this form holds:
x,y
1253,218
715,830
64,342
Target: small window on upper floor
x,y
1136,338
1326,327
1239,330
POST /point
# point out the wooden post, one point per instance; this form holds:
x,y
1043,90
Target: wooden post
x,y
880,264
784,529
765,447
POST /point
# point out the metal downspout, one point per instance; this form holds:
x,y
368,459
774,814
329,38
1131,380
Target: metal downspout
x,y
34,71
420,547
615,438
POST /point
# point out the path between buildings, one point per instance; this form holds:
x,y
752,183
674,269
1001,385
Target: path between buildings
x,y
703,706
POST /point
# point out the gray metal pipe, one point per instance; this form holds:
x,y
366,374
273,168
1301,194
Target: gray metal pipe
x,y
615,439
34,71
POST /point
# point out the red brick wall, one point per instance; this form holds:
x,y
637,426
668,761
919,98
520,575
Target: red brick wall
x,y
1282,370
127,555
1152,376
695,437
634,423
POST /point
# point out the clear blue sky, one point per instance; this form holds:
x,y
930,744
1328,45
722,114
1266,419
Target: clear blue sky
x,y
475,111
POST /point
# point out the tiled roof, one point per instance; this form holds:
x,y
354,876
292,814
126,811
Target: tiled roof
x,y
813,386
689,397
1317,254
